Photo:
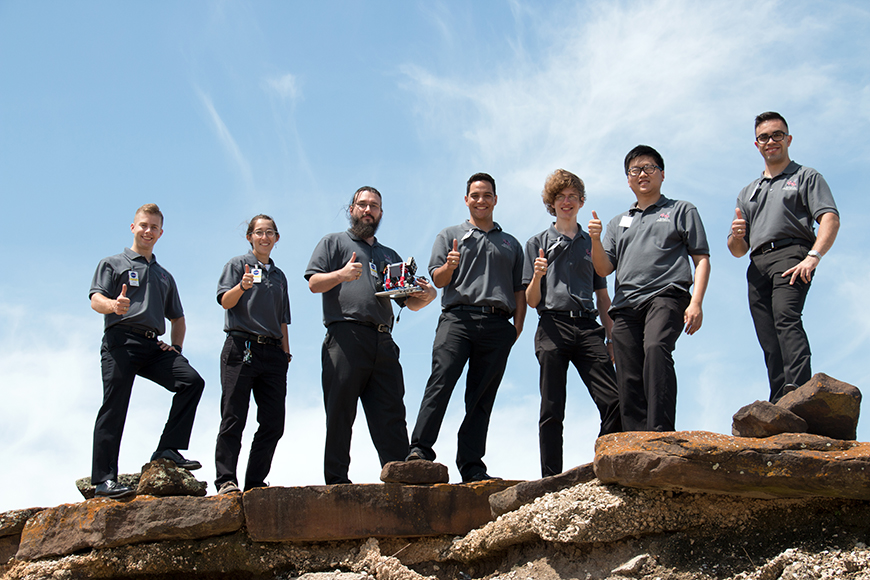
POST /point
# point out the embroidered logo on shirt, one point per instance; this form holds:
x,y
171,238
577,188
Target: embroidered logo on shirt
x,y
588,254
664,217
790,185
506,243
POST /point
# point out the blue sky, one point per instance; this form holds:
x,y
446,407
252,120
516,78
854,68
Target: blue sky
x,y
218,111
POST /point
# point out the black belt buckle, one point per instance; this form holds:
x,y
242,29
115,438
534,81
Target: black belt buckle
x,y
263,339
383,328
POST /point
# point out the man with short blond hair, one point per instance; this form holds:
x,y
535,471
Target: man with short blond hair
x,y
136,295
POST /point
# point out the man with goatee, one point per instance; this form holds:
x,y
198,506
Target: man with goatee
x,y
360,359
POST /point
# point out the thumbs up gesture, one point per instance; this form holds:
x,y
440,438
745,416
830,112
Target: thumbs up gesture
x,y
540,265
738,226
594,227
122,303
453,257
247,279
352,270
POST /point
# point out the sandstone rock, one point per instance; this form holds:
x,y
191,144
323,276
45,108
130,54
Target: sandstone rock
x,y
276,514
593,513
87,489
102,523
785,465
527,491
763,419
12,522
419,472
830,407
162,477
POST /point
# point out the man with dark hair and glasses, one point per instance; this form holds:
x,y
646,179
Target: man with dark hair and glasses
x,y
651,247
480,268
775,223
360,359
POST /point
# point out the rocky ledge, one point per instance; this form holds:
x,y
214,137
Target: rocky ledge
x,y
667,506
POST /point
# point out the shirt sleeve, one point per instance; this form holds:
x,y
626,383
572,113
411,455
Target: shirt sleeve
x,y
440,249
321,259
231,275
694,234
104,281
819,199
532,247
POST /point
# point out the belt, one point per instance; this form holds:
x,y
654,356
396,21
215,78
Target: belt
x,y
777,244
591,315
255,338
379,327
480,309
136,330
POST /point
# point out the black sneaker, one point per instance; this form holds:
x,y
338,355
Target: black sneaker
x,y
481,476
415,455
113,490
177,458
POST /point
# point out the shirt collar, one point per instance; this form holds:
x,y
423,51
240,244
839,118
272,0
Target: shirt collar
x,y
662,200
132,255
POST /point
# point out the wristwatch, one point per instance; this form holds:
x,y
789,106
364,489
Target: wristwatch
x,y
814,254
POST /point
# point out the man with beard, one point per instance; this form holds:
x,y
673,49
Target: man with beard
x,y
360,359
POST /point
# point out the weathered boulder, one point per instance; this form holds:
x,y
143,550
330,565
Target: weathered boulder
x,y
336,512
11,525
104,523
785,465
527,491
162,477
763,419
418,472
830,407
87,489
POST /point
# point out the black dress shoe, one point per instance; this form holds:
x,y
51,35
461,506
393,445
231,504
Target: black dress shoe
x,y
482,476
113,490
177,458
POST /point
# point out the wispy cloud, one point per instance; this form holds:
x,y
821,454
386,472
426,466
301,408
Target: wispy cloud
x,y
286,86
227,141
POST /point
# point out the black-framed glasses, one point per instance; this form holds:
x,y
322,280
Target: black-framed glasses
x,y
776,136
373,206
649,169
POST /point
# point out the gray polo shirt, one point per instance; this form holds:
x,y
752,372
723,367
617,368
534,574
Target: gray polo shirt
x,y
490,268
651,249
570,281
151,302
262,309
785,206
355,300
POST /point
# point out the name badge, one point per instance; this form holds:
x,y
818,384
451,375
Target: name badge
x,y
258,275
133,278
626,221
373,270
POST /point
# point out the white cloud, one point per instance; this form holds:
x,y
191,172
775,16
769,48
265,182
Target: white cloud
x,y
287,86
229,143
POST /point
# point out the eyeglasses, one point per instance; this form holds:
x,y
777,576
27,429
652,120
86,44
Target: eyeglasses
x,y
649,169
560,197
776,136
372,206
265,233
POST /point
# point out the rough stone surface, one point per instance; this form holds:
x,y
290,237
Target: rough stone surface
x,y
527,491
786,465
763,419
103,523
12,522
87,489
597,513
419,472
162,477
590,531
830,407
358,511
8,548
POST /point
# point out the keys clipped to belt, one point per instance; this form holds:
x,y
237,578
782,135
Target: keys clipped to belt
x,y
247,357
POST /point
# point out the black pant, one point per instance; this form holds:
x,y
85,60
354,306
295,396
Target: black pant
x,y
484,341
644,338
125,355
266,378
361,364
560,340
777,309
